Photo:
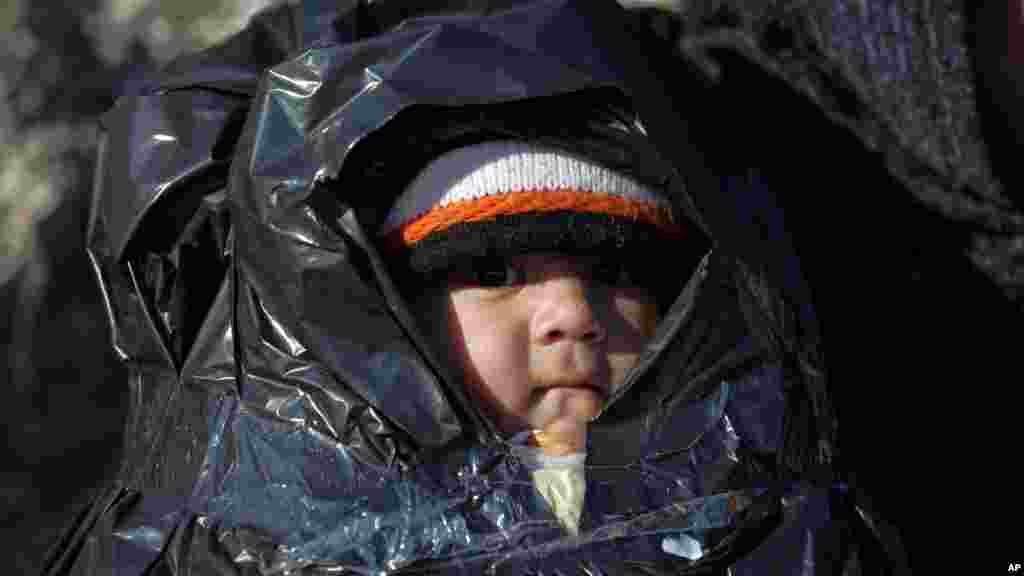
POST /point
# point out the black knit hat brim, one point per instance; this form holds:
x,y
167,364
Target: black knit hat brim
x,y
660,254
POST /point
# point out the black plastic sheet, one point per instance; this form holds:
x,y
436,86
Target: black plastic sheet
x,y
267,339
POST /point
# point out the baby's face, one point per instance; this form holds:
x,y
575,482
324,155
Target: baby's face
x,y
542,339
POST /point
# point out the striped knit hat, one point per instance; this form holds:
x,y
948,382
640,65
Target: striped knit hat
x,y
499,198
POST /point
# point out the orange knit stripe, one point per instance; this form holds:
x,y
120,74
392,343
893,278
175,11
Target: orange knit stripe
x,y
526,201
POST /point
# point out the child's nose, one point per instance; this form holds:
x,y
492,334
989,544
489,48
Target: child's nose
x,y
564,312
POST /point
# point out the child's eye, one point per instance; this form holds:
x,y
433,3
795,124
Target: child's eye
x,y
496,274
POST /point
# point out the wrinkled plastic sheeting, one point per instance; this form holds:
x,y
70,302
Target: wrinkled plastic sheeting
x,y
265,431
282,498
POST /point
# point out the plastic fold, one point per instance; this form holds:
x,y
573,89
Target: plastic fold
x,y
289,416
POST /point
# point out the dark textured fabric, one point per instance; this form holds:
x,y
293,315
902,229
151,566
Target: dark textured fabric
x,y
923,84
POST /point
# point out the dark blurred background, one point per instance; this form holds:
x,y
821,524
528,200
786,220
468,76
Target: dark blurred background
x,y
956,100
62,391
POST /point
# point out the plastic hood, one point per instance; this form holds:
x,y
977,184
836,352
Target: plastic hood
x,y
287,415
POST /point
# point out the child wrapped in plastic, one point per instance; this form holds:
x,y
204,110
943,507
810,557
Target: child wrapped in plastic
x,y
435,297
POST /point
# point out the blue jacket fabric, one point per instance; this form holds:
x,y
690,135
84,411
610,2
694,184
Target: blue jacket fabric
x,y
288,417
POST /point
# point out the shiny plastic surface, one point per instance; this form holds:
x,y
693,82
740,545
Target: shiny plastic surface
x,y
289,416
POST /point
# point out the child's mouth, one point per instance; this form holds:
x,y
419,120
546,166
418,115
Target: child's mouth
x,y
584,386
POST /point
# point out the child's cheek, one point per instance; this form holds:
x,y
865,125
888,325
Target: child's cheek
x,y
635,321
491,348
639,313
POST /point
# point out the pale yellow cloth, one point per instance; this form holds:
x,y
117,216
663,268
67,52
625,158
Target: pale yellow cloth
x,y
560,480
563,487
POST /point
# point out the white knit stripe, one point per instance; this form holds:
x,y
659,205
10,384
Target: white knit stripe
x,y
501,167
